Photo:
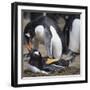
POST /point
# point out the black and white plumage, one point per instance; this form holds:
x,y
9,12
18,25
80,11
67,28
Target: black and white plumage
x,y
44,30
74,44
36,62
36,59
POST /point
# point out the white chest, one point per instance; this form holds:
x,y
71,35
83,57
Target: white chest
x,y
39,31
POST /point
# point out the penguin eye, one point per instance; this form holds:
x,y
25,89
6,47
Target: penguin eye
x,y
28,35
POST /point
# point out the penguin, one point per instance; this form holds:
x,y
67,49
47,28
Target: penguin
x,y
43,30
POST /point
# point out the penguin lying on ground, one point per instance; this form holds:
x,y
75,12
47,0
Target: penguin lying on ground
x,y
39,64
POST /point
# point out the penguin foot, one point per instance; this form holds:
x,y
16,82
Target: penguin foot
x,y
51,60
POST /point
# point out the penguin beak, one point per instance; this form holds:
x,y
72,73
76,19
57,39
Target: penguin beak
x,y
29,45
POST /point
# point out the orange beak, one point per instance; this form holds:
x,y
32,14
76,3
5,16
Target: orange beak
x,y
29,46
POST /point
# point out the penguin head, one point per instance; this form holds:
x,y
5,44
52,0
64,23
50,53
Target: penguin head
x,y
36,59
